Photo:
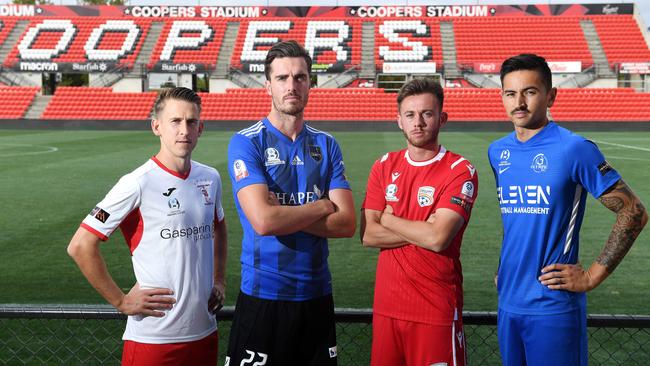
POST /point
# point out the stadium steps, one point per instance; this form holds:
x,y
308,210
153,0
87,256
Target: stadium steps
x,y
480,81
10,77
368,67
448,42
596,48
36,109
12,39
341,80
153,36
226,51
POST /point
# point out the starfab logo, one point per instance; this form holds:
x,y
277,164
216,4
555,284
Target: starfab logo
x,y
272,157
504,164
391,191
425,196
540,163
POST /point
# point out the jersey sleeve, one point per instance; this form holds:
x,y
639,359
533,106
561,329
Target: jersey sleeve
x,y
338,179
218,206
461,191
375,198
590,169
244,163
119,202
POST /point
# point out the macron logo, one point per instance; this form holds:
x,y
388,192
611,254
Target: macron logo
x,y
395,175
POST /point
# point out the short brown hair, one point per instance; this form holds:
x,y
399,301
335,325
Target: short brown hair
x,y
286,49
421,86
178,93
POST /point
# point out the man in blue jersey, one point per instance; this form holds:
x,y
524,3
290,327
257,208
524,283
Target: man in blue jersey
x,y
543,173
291,195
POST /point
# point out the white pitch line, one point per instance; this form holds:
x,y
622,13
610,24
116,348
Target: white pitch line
x,y
50,149
621,145
625,158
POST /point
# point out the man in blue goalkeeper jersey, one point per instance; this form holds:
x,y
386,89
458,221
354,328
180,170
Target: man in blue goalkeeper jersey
x,y
543,173
291,195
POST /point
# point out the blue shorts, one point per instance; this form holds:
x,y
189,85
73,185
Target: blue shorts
x,y
553,339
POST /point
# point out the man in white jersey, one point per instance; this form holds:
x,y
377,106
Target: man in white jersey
x,y
169,211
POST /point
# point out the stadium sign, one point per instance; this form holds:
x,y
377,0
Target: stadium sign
x,y
409,68
565,67
188,68
634,68
67,67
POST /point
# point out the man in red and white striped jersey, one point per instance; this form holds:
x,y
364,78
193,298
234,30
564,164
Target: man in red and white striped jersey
x,y
417,206
169,211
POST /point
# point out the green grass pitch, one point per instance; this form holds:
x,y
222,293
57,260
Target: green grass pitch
x,y
51,179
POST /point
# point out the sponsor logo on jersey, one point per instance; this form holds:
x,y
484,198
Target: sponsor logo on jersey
x,y
239,167
204,187
272,157
540,163
465,204
298,198
425,196
296,161
391,191
333,352
201,232
604,168
504,164
315,153
528,199
468,189
394,176
169,192
100,214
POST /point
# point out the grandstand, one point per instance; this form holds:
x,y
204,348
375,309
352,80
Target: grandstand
x,y
599,54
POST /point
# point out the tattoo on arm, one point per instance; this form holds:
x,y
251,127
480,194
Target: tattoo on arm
x,y
631,216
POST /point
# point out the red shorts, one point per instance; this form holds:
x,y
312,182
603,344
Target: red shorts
x,y
201,352
401,343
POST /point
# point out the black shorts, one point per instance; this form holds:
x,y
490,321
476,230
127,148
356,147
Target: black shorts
x,y
282,333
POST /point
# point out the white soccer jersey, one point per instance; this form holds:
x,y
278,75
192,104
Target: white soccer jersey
x,y
168,222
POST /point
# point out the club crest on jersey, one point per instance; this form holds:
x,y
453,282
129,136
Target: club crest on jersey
x,y
391,191
540,163
272,157
315,153
204,187
239,167
504,164
425,196
468,189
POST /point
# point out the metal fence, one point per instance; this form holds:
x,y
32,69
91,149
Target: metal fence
x,y
91,335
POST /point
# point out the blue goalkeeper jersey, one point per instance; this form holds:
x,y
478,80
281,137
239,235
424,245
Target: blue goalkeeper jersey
x,y
542,186
289,267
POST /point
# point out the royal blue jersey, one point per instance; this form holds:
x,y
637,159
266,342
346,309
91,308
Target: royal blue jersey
x,y
542,186
289,267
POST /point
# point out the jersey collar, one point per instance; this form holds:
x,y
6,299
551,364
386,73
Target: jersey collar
x,y
438,157
172,172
